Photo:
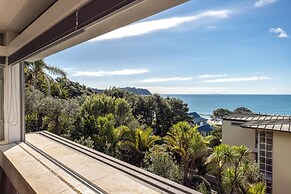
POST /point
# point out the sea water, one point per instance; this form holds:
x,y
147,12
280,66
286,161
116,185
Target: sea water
x,y
205,104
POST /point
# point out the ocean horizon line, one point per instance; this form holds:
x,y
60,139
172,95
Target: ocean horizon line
x,y
234,94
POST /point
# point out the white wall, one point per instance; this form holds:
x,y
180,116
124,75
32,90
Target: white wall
x,y
236,135
281,162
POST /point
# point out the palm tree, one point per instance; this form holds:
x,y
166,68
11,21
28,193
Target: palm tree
x,y
257,188
136,141
36,73
235,170
187,142
221,155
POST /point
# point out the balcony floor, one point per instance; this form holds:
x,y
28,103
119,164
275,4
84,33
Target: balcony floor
x,y
47,163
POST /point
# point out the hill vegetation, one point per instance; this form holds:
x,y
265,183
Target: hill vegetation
x,y
148,131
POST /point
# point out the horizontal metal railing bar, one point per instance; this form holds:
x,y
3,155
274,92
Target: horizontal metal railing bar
x,y
68,170
156,181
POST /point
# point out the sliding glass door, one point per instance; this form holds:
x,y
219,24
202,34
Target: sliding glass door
x,y
1,103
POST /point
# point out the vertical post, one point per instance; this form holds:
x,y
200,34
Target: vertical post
x,y
1,102
22,100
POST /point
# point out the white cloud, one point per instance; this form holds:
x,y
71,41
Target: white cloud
x,y
237,79
188,90
213,76
262,3
110,73
166,79
157,25
282,33
217,90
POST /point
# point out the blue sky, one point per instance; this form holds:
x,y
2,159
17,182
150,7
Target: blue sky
x,y
200,47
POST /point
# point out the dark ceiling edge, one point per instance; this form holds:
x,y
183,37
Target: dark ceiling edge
x,y
38,16
73,23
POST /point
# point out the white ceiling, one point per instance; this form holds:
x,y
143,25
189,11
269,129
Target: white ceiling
x,y
15,15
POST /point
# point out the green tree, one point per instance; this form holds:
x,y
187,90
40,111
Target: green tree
x,y
188,143
200,184
234,168
36,74
106,139
88,142
220,113
98,105
59,114
123,112
167,112
242,110
221,155
33,113
257,188
161,162
136,142
65,88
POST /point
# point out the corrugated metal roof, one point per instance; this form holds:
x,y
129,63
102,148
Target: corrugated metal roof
x,y
261,121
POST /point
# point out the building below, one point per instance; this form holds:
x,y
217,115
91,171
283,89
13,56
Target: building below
x,y
201,123
269,139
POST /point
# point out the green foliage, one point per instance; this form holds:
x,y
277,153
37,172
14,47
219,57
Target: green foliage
x,y
118,93
48,113
234,168
200,184
242,110
217,132
102,105
134,143
88,142
36,76
161,162
202,188
128,126
220,113
187,142
123,113
167,112
98,105
257,188
106,138
33,113
66,89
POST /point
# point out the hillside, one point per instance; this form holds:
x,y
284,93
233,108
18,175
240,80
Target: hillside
x,y
137,91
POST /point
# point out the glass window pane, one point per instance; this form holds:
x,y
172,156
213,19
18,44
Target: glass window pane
x,y
269,141
269,168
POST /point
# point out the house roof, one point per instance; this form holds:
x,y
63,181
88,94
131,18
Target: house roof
x,y
263,121
205,128
196,117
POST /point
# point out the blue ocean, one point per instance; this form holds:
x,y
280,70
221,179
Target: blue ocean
x,y
267,104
